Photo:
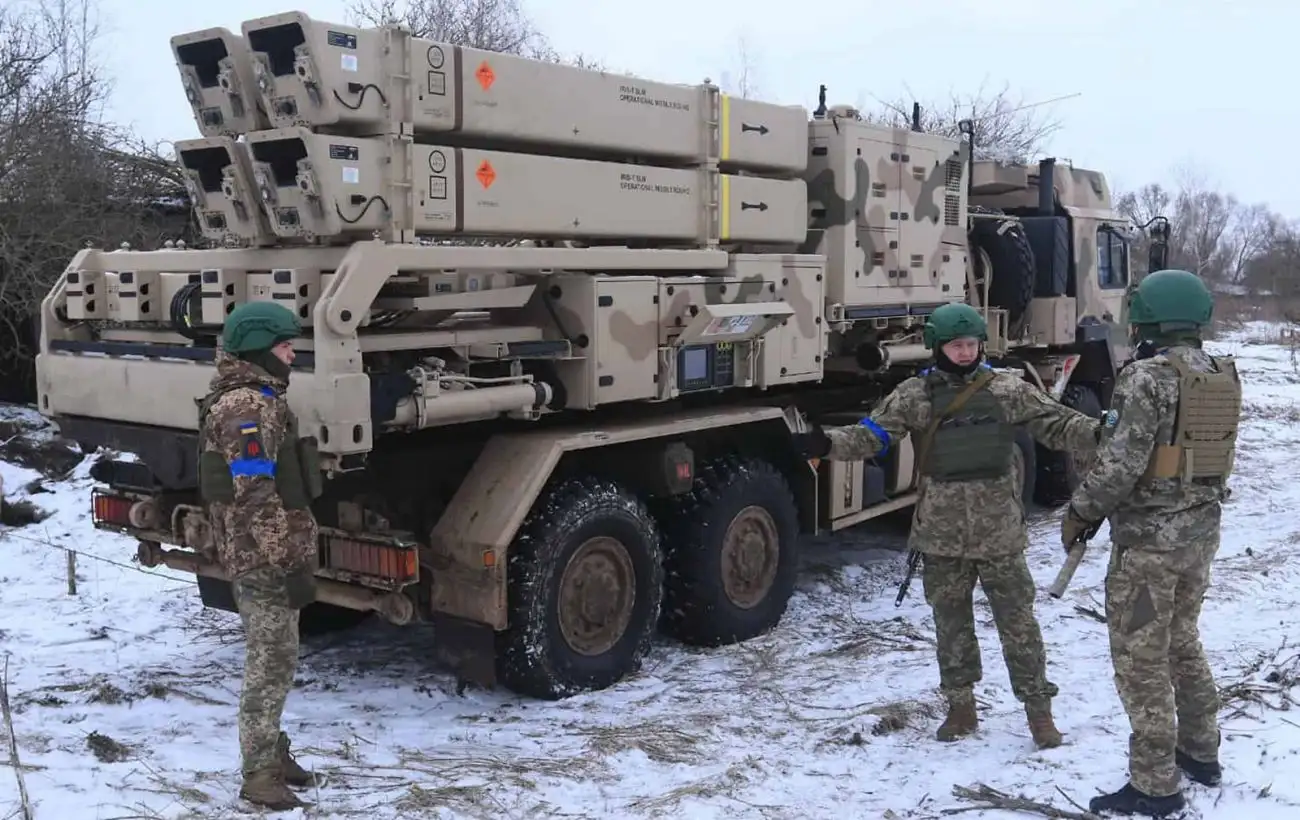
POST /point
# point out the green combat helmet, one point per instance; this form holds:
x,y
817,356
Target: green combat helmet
x,y
953,321
1171,300
256,326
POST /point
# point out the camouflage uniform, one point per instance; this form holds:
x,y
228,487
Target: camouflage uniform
x,y
258,479
1165,534
971,530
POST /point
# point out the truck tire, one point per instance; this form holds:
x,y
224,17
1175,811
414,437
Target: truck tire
x,y
324,619
1029,456
1012,257
730,555
585,586
1058,474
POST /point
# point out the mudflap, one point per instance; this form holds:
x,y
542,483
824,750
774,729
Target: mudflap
x,y
216,593
465,647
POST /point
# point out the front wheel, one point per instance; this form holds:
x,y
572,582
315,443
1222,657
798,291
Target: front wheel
x,y
585,581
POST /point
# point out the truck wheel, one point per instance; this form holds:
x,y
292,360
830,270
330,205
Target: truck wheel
x,y
585,584
1029,456
730,553
1012,257
324,619
1058,472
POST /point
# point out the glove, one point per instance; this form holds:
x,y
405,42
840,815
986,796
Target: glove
x,y
299,587
1073,526
812,444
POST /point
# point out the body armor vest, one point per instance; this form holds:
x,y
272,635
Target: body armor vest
x,y
975,442
1204,442
297,464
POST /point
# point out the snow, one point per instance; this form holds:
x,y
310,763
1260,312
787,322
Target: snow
x,y
830,715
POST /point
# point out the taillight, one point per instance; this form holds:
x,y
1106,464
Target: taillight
x,y
111,509
394,562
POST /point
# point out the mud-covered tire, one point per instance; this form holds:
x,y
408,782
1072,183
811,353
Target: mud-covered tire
x,y
1012,257
325,619
589,541
1058,474
729,553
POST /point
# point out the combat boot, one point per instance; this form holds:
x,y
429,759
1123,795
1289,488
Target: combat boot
x,y
1208,773
294,774
1041,725
266,787
1129,800
961,719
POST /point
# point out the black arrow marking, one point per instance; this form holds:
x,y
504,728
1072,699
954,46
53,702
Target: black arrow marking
x,y
746,206
761,129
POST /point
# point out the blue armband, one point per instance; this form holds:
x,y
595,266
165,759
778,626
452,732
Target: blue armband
x,y
880,434
250,467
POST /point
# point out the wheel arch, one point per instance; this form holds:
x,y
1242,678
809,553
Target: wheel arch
x,y
470,544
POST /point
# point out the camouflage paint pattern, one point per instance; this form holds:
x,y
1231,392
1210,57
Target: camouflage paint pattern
x,y
1153,608
969,519
1160,514
949,587
888,210
1165,534
256,530
624,327
270,660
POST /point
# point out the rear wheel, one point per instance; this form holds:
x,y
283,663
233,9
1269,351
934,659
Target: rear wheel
x,y
730,553
1059,473
585,581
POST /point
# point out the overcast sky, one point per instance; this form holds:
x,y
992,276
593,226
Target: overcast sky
x,y
1160,83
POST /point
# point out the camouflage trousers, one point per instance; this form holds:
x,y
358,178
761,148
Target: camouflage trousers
x,y
1153,605
949,589
270,661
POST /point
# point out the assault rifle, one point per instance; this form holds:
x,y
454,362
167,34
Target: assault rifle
x,y
913,558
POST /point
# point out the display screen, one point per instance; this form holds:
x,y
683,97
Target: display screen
x,y
695,365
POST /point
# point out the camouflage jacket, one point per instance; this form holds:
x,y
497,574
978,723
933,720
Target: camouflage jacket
x,y
1156,514
255,529
978,518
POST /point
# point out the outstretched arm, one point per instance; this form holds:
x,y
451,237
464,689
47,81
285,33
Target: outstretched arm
x,y
874,435
1124,455
1051,423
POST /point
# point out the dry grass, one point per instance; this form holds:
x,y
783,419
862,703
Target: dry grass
x,y
1266,682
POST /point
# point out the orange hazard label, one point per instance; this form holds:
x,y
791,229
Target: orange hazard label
x,y
486,175
486,76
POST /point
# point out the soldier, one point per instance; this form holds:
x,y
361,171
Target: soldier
x,y
1167,449
258,479
969,522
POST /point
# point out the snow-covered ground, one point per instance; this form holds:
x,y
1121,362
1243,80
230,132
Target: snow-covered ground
x,y
124,694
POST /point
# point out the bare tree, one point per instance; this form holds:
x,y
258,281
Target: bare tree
x,y
1007,127
66,178
741,79
491,25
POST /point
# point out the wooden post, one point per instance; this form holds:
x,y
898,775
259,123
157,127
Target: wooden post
x,y
72,571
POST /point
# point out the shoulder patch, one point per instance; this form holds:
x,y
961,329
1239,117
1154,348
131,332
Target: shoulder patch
x,y
1111,418
250,441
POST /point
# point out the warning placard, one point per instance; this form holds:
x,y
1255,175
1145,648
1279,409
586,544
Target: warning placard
x,y
486,174
485,75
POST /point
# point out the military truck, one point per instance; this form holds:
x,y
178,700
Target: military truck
x,y
559,327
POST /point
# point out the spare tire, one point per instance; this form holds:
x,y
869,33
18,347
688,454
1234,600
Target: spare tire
x,y
1012,257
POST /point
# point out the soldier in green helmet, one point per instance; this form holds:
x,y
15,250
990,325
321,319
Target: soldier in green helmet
x,y
258,480
1160,477
969,522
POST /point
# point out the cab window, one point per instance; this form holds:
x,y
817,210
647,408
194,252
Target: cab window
x,y
1112,259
